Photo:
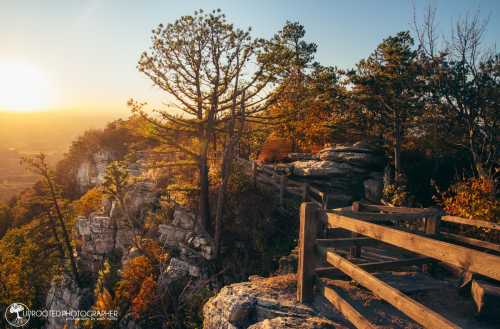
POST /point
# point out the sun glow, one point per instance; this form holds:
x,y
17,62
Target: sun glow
x,y
24,88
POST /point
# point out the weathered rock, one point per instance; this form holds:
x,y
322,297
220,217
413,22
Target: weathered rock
x,y
183,218
324,168
300,156
184,234
65,295
91,171
373,189
261,303
143,193
286,322
177,269
360,159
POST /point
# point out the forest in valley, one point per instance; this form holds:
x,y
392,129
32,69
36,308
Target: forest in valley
x,y
429,98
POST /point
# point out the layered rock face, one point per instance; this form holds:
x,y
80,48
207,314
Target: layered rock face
x,y
91,172
346,172
108,229
262,303
65,295
183,234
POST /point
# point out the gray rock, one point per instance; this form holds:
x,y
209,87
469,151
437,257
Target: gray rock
x,y
261,303
91,171
183,218
373,189
324,169
300,156
178,269
287,322
64,294
365,160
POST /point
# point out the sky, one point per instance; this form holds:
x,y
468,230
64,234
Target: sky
x,y
82,54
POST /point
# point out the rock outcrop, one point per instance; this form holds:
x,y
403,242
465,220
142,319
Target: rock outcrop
x,y
91,171
182,233
65,295
262,303
346,172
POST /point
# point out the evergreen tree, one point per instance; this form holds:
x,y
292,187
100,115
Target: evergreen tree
x,y
387,91
38,165
209,68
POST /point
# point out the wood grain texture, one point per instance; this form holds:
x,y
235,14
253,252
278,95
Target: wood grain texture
x,y
413,309
466,258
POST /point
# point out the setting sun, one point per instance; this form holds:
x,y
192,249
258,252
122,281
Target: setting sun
x,y
24,88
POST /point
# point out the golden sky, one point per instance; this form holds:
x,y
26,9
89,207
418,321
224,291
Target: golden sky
x,y
82,54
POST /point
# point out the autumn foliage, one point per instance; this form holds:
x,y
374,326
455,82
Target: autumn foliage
x,y
472,198
274,150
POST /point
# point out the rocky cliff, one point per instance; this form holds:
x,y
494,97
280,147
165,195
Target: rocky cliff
x,y
91,171
187,247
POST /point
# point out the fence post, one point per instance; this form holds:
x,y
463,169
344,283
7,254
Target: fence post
x,y
254,174
355,252
282,189
307,263
305,191
432,224
431,228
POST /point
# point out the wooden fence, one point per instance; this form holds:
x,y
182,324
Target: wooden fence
x,y
366,224
265,175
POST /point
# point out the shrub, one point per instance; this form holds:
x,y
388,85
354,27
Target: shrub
x,y
89,202
472,198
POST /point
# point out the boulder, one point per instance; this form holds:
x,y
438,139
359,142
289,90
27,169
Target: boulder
x,y
300,156
64,294
183,218
182,233
324,168
359,159
178,268
373,189
360,154
261,303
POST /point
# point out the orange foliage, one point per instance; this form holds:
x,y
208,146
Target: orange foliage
x,y
274,149
472,198
89,202
144,297
134,273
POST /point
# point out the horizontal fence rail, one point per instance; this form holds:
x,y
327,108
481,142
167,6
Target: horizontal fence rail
x,y
365,222
262,174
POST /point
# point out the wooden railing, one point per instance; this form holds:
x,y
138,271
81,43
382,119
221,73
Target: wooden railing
x,y
262,174
365,223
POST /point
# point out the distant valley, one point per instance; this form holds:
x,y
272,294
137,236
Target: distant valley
x,y
33,132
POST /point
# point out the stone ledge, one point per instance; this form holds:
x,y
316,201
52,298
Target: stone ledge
x,y
262,303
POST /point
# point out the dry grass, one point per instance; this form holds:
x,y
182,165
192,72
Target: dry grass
x,y
286,283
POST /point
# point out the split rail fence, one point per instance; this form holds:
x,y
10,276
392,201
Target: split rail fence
x,y
264,175
366,224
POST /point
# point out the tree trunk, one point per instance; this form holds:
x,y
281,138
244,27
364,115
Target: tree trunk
x,y
221,196
67,240
203,203
478,164
232,140
53,227
397,148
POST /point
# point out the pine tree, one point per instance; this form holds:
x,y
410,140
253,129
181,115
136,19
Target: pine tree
x,y
38,165
209,68
387,91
